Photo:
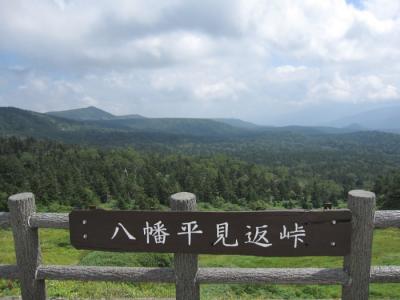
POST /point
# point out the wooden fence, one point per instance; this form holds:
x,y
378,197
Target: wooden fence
x,y
354,277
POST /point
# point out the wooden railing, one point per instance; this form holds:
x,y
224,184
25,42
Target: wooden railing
x,y
354,277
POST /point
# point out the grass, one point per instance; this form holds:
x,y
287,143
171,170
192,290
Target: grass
x,y
56,249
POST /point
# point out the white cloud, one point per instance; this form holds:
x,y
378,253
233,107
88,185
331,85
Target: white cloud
x,y
377,89
383,9
227,88
197,58
354,89
89,101
288,73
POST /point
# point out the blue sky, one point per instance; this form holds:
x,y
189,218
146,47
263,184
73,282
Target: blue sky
x,y
270,62
356,3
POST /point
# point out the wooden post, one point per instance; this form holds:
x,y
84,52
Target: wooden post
x,y
358,263
27,246
186,265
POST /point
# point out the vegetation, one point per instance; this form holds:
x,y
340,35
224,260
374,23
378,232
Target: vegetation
x,y
64,176
137,163
57,250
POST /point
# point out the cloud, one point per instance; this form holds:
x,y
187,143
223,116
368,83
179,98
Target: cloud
x,y
383,9
189,58
227,88
355,89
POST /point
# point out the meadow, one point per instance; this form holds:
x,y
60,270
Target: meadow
x,y
56,249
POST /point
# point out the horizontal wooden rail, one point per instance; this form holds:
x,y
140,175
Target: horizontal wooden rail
x,y
204,275
49,220
379,274
385,274
383,219
387,218
273,275
106,273
9,271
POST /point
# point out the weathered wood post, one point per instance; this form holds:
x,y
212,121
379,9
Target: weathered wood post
x,y
186,265
358,262
27,247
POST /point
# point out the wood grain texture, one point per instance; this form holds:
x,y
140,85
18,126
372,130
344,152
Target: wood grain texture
x,y
205,275
273,275
27,248
385,274
49,220
4,220
379,274
387,218
9,271
87,273
358,263
186,265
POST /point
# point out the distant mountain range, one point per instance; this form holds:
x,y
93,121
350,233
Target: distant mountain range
x,y
79,122
90,113
383,119
91,126
94,126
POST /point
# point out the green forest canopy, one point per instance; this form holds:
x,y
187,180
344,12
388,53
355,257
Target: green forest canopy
x,y
64,176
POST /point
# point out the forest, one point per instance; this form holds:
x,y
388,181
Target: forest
x,y
64,176
116,163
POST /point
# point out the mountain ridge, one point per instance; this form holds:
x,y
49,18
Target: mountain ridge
x,y
90,113
120,131
384,118
83,114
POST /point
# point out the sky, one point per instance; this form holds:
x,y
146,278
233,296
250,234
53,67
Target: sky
x,y
273,62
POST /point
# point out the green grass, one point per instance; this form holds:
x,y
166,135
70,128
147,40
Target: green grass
x,y
56,249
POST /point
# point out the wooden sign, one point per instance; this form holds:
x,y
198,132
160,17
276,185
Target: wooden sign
x,y
263,233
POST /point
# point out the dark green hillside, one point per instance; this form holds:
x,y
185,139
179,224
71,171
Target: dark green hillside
x,y
178,126
14,121
311,129
26,123
131,116
90,113
83,114
238,123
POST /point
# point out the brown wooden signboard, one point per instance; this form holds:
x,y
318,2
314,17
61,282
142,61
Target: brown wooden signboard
x,y
263,233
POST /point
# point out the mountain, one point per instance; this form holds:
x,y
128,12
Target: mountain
x,y
180,126
90,113
15,121
81,122
316,130
91,121
385,119
131,116
83,114
198,136
237,123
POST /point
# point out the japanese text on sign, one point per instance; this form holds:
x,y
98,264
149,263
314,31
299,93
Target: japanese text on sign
x,y
265,233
